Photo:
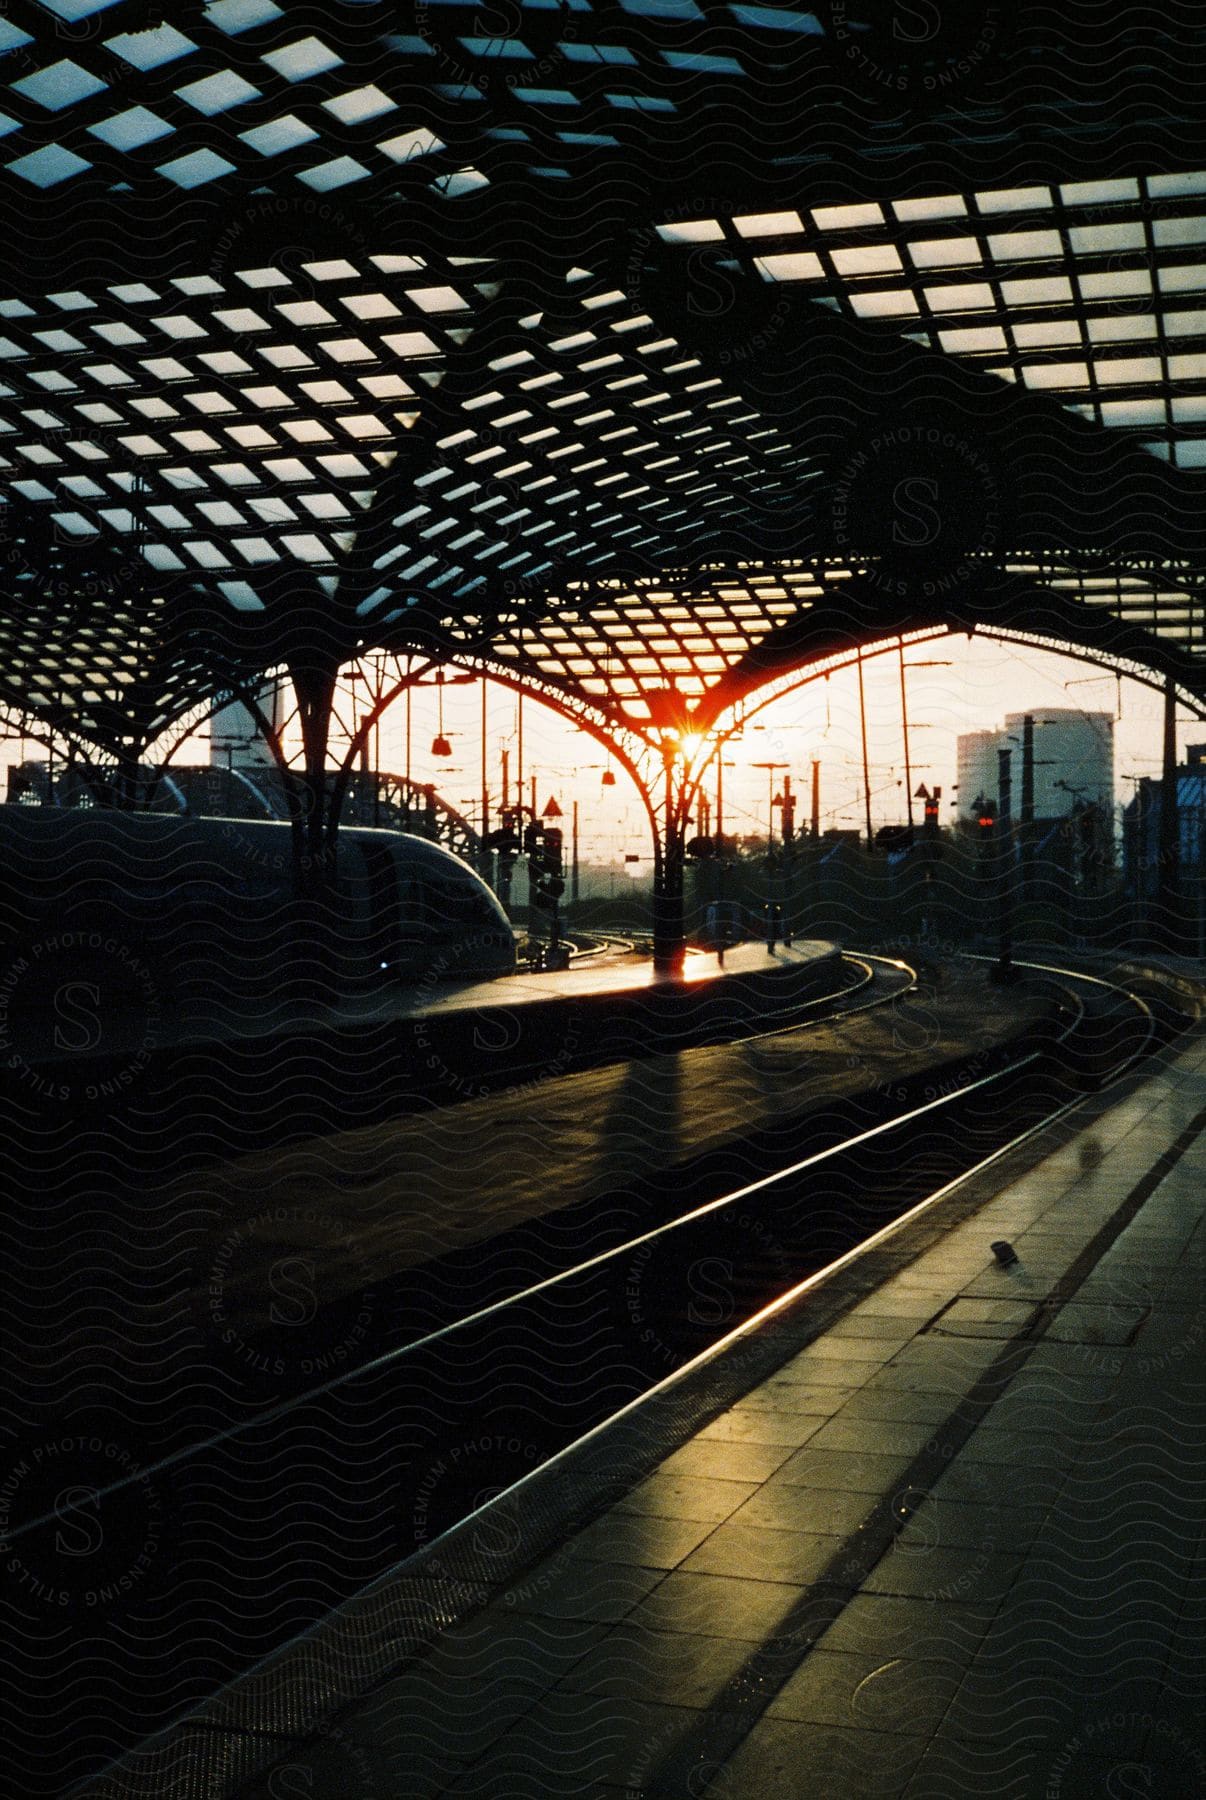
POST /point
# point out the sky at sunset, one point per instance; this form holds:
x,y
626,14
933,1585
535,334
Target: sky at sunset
x,y
967,685
974,685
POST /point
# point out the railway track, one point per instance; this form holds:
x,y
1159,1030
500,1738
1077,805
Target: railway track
x,y
279,1517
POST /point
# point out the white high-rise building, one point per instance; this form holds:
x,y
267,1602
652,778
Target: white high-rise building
x,y
1073,760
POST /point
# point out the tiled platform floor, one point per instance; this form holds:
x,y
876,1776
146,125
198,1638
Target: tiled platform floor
x,y
1036,1629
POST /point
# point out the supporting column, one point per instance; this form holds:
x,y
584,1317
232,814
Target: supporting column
x,y
315,801
669,922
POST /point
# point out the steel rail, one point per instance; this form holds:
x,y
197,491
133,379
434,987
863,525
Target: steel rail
x,y
391,1358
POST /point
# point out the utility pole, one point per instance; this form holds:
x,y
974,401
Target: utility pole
x,y
788,812
721,920
574,855
1003,969
1169,826
788,820
904,724
1027,820
408,694
519,749
770,768
815,818
376,741
862,719
485,780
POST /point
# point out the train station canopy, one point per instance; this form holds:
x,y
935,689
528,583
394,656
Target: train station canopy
x,y
640,350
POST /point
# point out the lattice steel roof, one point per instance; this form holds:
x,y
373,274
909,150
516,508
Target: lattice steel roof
x,y
329,333
1093,292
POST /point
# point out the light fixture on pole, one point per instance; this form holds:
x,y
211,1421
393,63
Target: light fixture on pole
x,y
440,745
771,799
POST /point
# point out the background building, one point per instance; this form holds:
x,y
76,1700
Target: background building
x,y
1073,760
1141,829
977,769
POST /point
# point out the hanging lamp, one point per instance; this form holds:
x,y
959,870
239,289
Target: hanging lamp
x,y
440,745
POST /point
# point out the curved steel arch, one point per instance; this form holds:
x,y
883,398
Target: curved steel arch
x,y
804,673
856,617
576,710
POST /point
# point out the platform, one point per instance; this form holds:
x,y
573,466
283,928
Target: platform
x,y
951,1545
368,1204
249,1076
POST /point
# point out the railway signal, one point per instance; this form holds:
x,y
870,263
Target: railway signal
x,y
551,860
986,818
546,871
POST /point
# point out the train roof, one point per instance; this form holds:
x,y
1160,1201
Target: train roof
x,y
85,829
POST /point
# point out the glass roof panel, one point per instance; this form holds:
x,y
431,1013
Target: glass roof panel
x,y
1098,193
692,231
846,218
195,169
303,59
663,9
339,172
217,93
1049,334
794,265
894,303
359,104
285,133
933,206
1115,284
775,224
237,16
1109,329
1020,199
59,86
1098,238
1015,244
960,297
945,253
71,11
1182,278
987,337
131,129
867,259
151,49
1174,187
1179,231
408,144
773,18
48,166
1052,290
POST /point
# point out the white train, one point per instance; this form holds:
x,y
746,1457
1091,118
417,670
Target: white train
x,y
210,906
